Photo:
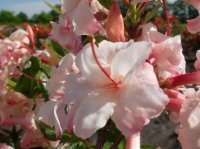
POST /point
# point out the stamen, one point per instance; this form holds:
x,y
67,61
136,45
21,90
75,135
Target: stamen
x,y
98,63
167,17
29,77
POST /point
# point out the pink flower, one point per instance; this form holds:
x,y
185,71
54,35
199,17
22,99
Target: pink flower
x,y
189,128
112,83
33,139
5,146
53,112
166,55
193,25
63,33
197,62
81,16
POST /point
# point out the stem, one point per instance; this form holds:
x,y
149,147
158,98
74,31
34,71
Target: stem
x,y
152,12
133,142
29,77
102,135
167,18
2,36
14,136
117,142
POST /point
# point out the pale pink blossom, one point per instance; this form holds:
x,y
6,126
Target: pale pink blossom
x,y
189,128
33,139
5,146
122,91
169,57
166,55
16,109
20,35
193,25
81,16
63,33
53,112
146,29
197,62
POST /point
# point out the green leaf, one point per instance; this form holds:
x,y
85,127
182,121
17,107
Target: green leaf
x,y
106,3
153,12
47,131
59,49
46,69
79,145
56,51
12,83
55,9
26,85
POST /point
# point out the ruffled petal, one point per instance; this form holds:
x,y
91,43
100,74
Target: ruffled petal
x,y
93,113
193,25
127,60
140,100
189,129
83,20
53,114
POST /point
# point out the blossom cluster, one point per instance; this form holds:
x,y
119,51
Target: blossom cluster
x,y
117,69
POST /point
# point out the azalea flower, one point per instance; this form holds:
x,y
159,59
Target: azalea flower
x,y
53,112
63,33
166,55
197,62
112,83
193,25
81,16
189,128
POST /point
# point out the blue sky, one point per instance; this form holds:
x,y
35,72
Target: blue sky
x,y
30,7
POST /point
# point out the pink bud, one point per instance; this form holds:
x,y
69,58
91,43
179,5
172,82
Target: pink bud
x,y
30,35
115,24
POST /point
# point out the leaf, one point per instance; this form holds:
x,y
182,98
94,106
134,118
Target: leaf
x,y
26,85
56,51
106,3
79,145
59,49
55,9
153,12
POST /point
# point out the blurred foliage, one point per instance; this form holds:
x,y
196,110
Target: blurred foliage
x,y
10,18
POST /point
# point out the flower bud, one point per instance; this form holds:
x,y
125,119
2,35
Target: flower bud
x,y
115,24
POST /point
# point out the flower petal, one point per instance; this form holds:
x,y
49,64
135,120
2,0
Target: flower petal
x,y
93,113
83,20
140,99
129,59
193,25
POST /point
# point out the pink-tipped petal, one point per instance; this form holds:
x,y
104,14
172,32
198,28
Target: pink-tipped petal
x,y
193,25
